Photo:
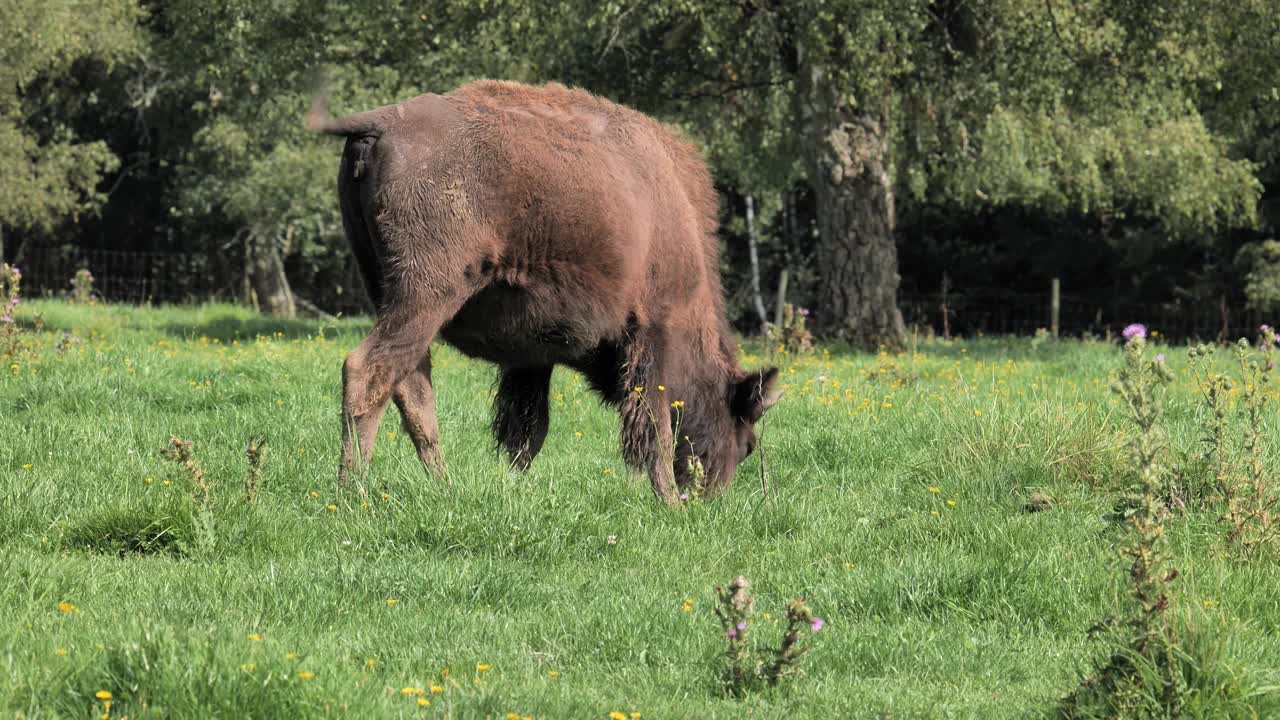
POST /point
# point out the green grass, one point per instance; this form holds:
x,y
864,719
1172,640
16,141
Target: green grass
x,y
977,609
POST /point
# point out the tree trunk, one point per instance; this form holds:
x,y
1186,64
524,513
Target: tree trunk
x,y
857,260
756,297
267,279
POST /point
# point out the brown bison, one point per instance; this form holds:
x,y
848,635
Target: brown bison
x,y
536,226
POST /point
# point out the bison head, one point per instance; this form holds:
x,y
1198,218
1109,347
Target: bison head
x,y
722,433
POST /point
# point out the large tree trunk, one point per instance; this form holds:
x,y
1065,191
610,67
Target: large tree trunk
x,y
848,168
267,281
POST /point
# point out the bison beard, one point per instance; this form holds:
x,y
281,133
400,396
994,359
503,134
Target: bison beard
x,y
531,227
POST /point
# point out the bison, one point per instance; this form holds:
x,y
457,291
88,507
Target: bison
x,y
533,227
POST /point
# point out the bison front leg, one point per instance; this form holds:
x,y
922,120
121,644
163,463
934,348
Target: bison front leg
x,y
647,441
416,399
521,415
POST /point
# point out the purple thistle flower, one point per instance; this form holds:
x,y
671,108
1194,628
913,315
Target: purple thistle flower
x,y
16,272
804,312
817,624
732,633
742,626
1134,330
1160,358
684,496
6,318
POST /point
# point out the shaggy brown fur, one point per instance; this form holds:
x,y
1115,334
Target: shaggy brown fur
x,y
535,226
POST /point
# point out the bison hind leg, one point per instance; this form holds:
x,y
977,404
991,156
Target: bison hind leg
x,y
521,413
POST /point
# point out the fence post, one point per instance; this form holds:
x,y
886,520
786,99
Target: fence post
x,y
1055,305
782,299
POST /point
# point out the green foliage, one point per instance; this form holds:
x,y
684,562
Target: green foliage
x,y
47,172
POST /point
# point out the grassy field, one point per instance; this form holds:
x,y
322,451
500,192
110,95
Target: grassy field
x,y
564,592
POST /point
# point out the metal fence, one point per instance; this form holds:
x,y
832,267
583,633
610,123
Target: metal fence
x,y
156,277
994,312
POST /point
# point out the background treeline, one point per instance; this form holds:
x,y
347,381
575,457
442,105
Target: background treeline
x,y
878,151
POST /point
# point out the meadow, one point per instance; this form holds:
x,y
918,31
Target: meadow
x,y
950,511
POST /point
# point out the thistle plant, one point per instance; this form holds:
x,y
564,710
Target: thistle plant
x,y
82,288
181,452
1140,385
749,666
1142,677
1215,389
11,296
1251,509
792,336
255,454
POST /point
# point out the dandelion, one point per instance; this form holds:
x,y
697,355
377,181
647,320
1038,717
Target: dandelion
x,y
391,602
512,716
608,471
254,637
977,413
305,674
66,607
481,667
662,388
372,663
615,715
103,694
407,690
951,503
577,433
423,702
26,466
635,716
1211,603
331,507
60,652
315,494
436,689
291,656
1134,330
554,674
391,435
934,489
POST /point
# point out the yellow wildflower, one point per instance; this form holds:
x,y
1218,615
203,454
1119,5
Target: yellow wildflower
x,y
677,403
554,674
423,702
371,663
254,637
481,667
639,388
406,690
662,388
615,715
436,689
577,433
391,601
331,507
291,656
305,674
67,607
1210,603
60,652
27,466
103,694
934,489
512,716
951,503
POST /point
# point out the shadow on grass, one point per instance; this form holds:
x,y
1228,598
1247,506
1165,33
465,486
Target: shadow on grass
x,y
237,327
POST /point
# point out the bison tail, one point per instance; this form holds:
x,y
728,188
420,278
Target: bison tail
x,y
318,119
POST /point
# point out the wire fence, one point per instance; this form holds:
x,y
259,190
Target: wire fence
x,y
994,312
159,277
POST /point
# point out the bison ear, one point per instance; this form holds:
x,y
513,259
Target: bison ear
x,y
754,394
